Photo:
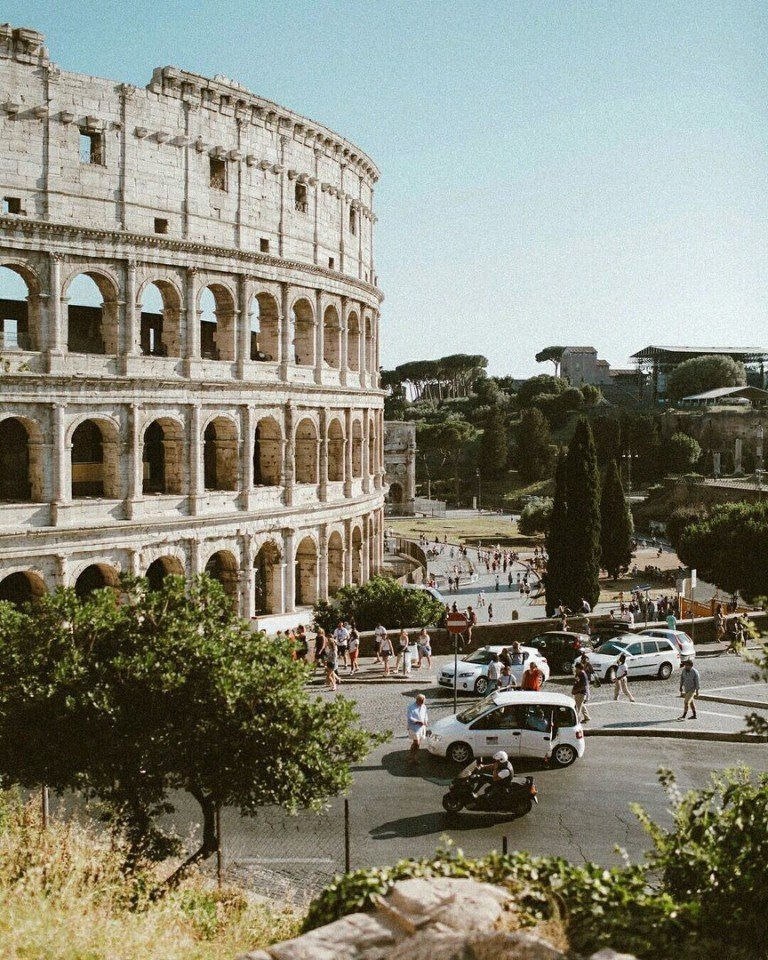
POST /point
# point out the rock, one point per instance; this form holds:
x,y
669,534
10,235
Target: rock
x,y
607,954
359,935
436,944
458,904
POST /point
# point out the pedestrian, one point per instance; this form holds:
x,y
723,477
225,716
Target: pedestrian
x,y
321,647
471,622
481,599
353,646
424,646
409,653
494,673
490,613
378,635
496,583
386,651
302,647
689,688
341,636
516,659
332,677
417,720
402,646
532,678
506,680
719,623
580,693
620,678
671,621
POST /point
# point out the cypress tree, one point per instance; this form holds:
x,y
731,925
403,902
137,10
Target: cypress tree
x,y
615,524
557,551
582,539
494,443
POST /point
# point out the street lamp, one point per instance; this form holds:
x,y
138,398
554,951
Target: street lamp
x,y
628,457
477,474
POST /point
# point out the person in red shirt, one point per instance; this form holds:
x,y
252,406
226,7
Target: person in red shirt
x,y
532,679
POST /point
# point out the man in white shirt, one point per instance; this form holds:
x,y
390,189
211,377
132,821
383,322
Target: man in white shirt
x,y
417,721
379,634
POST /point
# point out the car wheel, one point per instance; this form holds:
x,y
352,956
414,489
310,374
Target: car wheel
x,y
451,803
481,686
459,753
563,755
610,674
665,671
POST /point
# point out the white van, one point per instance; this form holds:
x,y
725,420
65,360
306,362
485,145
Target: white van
x,y
521,722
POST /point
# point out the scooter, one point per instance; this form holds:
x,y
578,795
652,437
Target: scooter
x,y
517,798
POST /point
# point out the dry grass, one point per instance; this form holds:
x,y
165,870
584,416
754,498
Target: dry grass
x,y
63,896
491,529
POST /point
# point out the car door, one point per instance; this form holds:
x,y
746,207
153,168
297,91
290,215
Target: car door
x,y
500,729
536,730
635,657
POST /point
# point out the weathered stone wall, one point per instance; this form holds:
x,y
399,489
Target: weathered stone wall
x,y
400,464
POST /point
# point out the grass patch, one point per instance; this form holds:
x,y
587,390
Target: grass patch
x,y
64,896
489,528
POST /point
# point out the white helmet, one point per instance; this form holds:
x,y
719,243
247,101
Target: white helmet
x,y
500,756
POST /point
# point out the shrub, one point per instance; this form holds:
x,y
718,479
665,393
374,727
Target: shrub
x,y
380,600
535,516
681,452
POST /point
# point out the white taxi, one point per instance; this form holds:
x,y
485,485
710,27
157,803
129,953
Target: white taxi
x,y
473,669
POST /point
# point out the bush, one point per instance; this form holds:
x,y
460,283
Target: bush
x,y
380,600
681,452
679,519
535,516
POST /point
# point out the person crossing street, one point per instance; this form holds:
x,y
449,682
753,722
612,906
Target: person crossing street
x,y
689,689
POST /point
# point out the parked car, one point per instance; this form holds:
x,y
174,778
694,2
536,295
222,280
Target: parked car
x,y
646,657
473,669
680,639
562,648
523,723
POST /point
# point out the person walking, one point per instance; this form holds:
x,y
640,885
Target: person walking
x,y
424,646
417,720
532,678
689,688
353,647
402,646
409,654
620,680
580,693
494,673
378,635
332,677
490,613
385,652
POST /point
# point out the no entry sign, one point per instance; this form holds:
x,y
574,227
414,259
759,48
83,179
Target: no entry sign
x,y
456,623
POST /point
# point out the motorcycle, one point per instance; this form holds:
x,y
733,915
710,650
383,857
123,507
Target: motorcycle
x,y
516,798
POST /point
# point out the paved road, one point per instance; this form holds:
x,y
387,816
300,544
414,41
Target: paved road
x,y
584,811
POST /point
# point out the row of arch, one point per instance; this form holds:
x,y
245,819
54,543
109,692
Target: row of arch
x,y
165,459
256,588
87,316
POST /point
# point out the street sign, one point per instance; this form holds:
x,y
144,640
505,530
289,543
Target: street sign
x,y
456,623
693,579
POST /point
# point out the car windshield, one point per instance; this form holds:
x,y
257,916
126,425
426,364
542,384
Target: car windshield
x,y
479,656
472,713
611,649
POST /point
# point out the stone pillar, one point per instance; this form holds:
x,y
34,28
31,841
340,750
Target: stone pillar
x,y
289,448
347,552
319,336
289,572
316,235
348,452
193,320
195,559
343,333
363,330
196,474
132,315
737,452
322,563
286,347
62,570
248,432
246,576
323,459
135,462
134,562
56,306
342,225
716,468
365,550
243,328
366,451
62,464
283,199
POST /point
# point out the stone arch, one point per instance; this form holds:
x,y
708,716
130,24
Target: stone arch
x,y
395,494
162,567
20,325
306,452
220,455
21,466
264,317
357,449
303,318
370,359
95,459
356,547
306,572
331,337
335,562
217,322
92,313
353,341
335,451
163,457
96,576
23,586
267,453
222,566
160,305
267,579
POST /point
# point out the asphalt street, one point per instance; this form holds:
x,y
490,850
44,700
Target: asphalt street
x,y
584,810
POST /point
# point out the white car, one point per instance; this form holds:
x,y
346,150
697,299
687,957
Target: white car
x,y
646,657
680,639
525,723
473,669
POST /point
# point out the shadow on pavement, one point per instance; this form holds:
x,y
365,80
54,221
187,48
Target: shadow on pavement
x,y
438,822
428,768
634,723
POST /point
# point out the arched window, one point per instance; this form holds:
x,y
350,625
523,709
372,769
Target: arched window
x,y
331,337
217,323
306,451
306,573
303,333
87,461
159,569
15,483
220,463
163,458
267,579
96,577
267,454
335,563
265,328
18,312
357,449
160,320
22,587
353,342
91,315
352,221
335,452
222,566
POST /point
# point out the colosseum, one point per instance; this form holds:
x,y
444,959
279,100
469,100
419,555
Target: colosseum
x,y
189,348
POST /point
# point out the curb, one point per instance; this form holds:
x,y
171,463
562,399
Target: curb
x,y
710,735
755,704
373,681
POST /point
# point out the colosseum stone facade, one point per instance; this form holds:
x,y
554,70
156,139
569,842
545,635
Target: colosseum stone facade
x,y
190,338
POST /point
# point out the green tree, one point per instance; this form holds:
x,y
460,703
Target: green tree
x,y
534,450
557,550
494,443
583,519
607,434
536,516
681,453
616,525
679,520
543,383
704,373
592,394
727,547
128,697
379,600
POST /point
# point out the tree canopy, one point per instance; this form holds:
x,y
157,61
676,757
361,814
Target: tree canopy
x,y
582,519
704,373
127,696
681,453
616,526
441,379
379,600
534,451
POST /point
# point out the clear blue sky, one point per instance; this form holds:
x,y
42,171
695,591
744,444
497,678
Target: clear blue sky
x,y
552,171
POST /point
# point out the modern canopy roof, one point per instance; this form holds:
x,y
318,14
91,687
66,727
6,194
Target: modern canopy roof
x,y
678,354
729,393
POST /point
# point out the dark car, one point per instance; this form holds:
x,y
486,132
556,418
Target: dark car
x,y
561,648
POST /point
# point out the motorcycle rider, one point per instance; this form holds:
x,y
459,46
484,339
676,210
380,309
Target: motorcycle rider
x,y
497,777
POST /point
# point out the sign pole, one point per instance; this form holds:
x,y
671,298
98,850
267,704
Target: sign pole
x,y
455,672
